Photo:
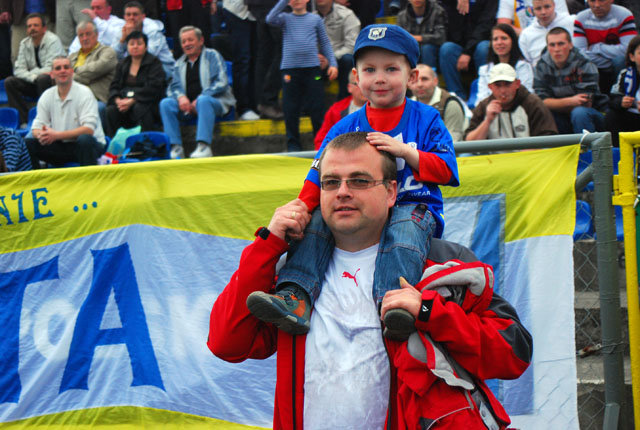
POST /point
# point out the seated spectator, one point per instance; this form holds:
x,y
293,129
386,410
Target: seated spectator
x,y
510,111
504,49
567,83
137,88
31,72
193,95
181,13
348,105
135,20
16,12
624,100
342,26
602,34
94,65
150,7
109,26
427,91
519,13
66,128
533,39
14,156
426,21
467,38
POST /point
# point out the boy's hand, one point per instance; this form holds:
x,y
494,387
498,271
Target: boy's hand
x,y
406,297
332,73
384,142
324,63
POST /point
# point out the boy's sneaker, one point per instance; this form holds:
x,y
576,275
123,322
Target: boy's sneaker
x,y
289,309
398,324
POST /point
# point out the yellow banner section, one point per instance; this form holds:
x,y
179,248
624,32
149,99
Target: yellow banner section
x,y
50,206
531,181
124,418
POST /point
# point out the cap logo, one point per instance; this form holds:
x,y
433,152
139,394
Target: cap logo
x,y
377,33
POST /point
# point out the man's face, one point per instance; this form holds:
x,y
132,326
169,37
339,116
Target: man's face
x,y
88,37
101,8
134,16
35,29
505,92
417,4
355,217
191,43
383,77
355,91
600,8
559,48
545,11
61,71
424,87
322,3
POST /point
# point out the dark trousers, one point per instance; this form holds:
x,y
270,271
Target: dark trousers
x,y
17,88
192,13
301,88
84,150
5,51
138,114
268,56
345,65
242,39
617,120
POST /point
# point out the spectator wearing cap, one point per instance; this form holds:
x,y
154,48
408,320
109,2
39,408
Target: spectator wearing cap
x,y
510,111
567,83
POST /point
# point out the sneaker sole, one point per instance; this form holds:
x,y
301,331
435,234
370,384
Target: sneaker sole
x,y
399,324
262,307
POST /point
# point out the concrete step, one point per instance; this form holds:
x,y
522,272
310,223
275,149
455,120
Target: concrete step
x,y
588,322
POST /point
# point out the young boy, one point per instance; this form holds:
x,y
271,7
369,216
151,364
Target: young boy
x,y
301,75
385,57
533,39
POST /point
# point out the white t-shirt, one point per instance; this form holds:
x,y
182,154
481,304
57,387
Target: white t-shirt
x,y
346,372
521,11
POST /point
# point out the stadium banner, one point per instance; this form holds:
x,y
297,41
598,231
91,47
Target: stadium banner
x,y
108,274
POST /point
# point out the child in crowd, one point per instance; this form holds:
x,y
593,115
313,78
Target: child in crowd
x,y
385,58
624,99
302,84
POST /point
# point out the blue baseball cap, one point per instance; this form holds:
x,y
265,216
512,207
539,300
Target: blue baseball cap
x,y
390,37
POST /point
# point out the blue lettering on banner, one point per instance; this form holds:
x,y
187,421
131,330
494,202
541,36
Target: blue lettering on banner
x,y
38,201
112,270
21,216
12,287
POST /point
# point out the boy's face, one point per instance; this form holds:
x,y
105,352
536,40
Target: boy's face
x,y
298,5
545,11
383,77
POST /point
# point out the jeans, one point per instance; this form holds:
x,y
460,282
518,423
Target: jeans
x,y
580,118
242,33
429,55
449,54
208,108
403,250
301,87
84,150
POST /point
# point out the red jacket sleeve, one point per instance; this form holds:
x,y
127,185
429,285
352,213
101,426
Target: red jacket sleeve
x,y
432,169
234,333
310,195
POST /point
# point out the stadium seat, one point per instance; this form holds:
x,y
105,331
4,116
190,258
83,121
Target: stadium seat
x,y
473,94
31,116
584,221
156,137
9,117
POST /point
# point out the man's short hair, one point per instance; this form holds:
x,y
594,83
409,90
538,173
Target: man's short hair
x,y
83,24
186,28
60,57
354,140
36,15
559,30
428,68
135,4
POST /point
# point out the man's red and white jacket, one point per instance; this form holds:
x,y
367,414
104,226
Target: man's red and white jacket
x,y
437,377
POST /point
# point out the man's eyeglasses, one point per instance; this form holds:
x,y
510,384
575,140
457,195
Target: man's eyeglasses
x,y
352,183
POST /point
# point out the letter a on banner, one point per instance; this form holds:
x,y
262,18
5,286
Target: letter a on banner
x,y
112,269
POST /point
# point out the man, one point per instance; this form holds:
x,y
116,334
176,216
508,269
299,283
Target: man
x,y
134,18
151,8
340,109
109,26
31,71
324,381
467,38
342,27
67,127
68,15
188,12
510,111
427,91
533,40
567,83
94,64
14,12
602,33
191,95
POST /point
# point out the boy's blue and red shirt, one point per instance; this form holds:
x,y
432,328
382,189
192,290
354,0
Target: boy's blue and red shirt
x,y
421,127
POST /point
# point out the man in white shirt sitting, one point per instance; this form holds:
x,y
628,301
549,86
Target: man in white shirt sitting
x,y
109,26
519,13
533,40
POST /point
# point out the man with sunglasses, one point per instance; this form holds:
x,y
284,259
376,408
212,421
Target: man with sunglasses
x,y
344,373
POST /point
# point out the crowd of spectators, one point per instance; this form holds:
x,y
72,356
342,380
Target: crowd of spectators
x,y
566,57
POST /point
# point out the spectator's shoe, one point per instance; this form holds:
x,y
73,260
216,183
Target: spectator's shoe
x,y
249,116
289,309
270,112
398,324
202,151
177,151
